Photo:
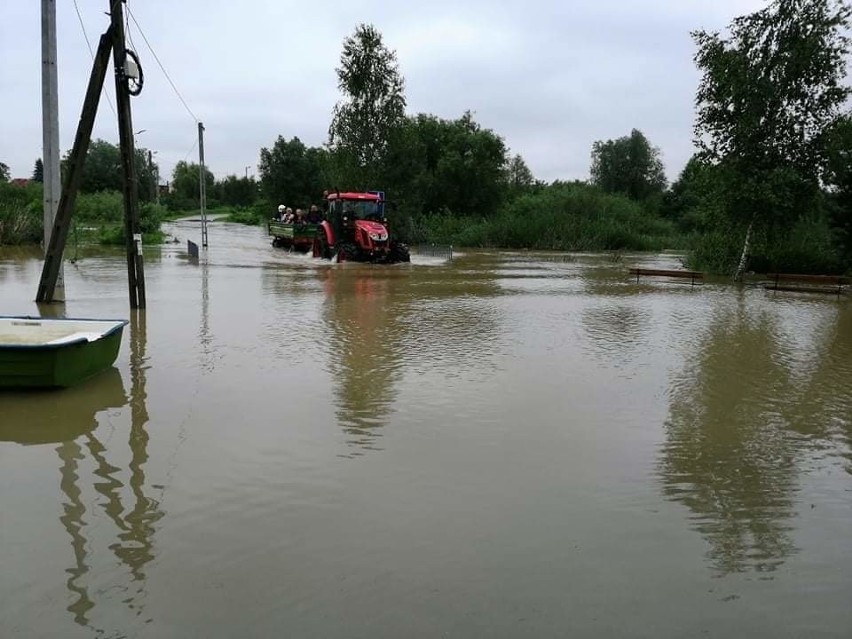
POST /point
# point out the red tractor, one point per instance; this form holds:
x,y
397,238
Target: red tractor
x,y
356,230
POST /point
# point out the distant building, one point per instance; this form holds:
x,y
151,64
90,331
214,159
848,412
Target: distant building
x,y
20,181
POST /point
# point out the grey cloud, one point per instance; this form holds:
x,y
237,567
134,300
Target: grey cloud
x,y
550,77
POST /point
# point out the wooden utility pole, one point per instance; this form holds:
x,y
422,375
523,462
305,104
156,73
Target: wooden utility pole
x,y
202,182
51,273
51,179
56,245
133,236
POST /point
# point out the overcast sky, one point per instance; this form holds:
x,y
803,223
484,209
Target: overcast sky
x,y
549,76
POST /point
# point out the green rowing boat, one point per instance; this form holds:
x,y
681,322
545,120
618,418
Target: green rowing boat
x,y
44,352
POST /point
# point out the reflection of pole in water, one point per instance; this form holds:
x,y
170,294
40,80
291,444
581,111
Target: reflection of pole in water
x,y
136,526
138,531
72,520
204,336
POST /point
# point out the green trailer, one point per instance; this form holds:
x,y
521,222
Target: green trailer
x,y
299,237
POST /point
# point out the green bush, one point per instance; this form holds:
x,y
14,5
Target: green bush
x,y
21,214
808,247
103,206
104,211
249,216
575,217
151,215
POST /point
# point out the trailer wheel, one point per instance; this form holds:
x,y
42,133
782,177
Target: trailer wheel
x,y
320,247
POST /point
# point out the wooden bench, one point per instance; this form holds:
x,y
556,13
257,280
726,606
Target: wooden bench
x,y
831,284
693,276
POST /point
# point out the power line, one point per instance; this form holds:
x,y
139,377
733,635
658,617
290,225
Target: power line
x,y
162,68
128,32
92,53
194,144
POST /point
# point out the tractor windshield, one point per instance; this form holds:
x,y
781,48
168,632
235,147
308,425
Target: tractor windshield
x,y
362,210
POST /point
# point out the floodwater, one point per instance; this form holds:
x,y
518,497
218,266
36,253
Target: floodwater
x,y
504,445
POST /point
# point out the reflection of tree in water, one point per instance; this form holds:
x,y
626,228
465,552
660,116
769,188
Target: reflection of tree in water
x,y
728,456
69,419
820,407
364,333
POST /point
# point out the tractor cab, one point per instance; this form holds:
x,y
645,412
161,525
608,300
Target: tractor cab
x,y
344,209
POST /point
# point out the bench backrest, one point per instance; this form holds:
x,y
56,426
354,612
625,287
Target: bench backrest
x,y
836,280
666,273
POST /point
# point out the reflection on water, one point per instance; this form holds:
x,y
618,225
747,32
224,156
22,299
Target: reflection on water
x,y
552,435
821,393
205,336
364,318
739,430
616,329
69,418
64,417
44,417
72,519
135,547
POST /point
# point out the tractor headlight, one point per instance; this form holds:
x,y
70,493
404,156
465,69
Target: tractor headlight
x,y
378,237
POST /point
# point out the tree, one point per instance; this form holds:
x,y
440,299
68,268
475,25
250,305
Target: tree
x,y
628,165
519,178
38,171
767,96
237,191
4,172
838,177
456,165
373,106
291,173
102,170
185,185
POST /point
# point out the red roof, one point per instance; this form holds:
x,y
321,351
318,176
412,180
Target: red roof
x,y
370,197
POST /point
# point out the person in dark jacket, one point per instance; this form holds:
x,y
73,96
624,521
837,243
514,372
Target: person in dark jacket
x,y
314,215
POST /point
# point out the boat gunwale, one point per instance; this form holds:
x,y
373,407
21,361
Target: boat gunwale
x,y
119,325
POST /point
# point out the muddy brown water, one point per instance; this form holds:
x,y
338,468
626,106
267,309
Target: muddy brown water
x,y
510,444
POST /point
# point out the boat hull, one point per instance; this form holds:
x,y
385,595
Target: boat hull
x,y
58,365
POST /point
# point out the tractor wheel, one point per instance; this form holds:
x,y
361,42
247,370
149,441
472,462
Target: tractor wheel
x,y
348,252
399,253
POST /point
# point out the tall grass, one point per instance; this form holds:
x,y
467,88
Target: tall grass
x,y
567,217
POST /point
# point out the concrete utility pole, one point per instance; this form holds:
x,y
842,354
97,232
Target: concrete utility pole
x,y
202,188
135,264
53,257
50,133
